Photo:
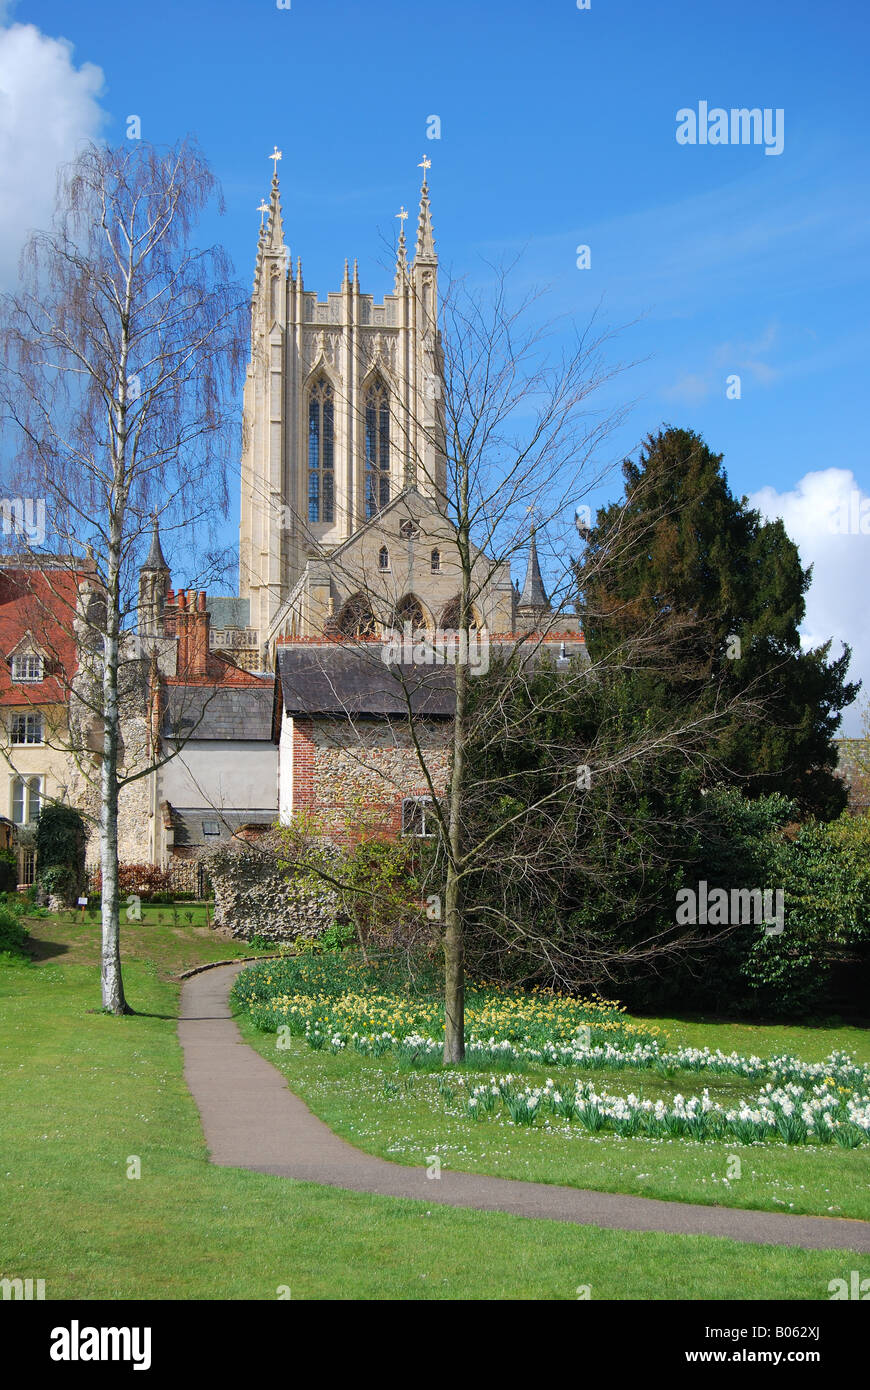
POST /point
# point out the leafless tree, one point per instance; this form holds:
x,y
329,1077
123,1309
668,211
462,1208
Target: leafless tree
x,y
122,352
516,440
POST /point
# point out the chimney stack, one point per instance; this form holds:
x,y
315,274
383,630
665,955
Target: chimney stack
x,y
193,624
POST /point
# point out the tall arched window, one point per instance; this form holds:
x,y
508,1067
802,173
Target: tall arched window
x,y
355,618
321,439
450,616
377,448
409,610
436,561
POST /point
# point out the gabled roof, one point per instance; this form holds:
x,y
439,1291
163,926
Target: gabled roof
x,y
331,679
410,502
39,604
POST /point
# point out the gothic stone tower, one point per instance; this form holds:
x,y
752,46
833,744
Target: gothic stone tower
x,y
342,408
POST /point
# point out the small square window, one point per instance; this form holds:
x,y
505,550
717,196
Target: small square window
x,y
418,816
27,728
27,667
211,827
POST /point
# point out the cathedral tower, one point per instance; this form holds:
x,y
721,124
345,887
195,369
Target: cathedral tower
x,y
342,408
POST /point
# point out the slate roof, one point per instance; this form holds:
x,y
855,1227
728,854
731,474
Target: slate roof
x,y
228,612
331,679
187,824
216,712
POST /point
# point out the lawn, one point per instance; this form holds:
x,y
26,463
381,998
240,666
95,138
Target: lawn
x,y
391,1109
83,1092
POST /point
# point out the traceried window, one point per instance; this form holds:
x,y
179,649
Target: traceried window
x,y
26,799
436,561
27,728
377,448
383,558
355,618
409,530
418,816
409,610
450,616
27,667
321,453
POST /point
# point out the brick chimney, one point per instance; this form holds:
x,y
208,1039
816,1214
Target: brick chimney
x,y
192,627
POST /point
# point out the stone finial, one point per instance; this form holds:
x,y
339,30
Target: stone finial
x,y
425,250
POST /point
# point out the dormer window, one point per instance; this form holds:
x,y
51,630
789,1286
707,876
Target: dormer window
x,y
28,667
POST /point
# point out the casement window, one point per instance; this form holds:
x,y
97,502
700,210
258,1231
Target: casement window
x,y
26,799
27,667
211,827
418,816
321,453
377,441
27,728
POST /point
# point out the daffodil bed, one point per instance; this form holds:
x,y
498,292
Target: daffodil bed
x,y
338,1003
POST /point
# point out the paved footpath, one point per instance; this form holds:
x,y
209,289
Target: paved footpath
x,y
251,1120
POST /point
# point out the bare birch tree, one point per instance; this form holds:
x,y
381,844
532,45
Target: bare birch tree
x,y
123,349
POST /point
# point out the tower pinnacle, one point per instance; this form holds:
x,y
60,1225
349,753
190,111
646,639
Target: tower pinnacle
x,y
401,251
425,250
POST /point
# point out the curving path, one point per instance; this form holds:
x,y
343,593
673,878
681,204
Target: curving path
x,y
251,1120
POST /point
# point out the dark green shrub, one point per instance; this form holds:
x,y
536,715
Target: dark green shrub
x,y
13,934
8,871
61,837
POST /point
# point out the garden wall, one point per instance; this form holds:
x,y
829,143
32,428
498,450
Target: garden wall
x,y
252,897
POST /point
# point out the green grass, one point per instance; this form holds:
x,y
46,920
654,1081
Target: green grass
x,y
389,1110
81,1092
171,945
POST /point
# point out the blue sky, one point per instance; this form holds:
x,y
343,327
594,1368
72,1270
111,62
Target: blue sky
x,y
557,129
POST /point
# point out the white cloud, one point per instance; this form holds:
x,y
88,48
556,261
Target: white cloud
x,y
824,515
48,106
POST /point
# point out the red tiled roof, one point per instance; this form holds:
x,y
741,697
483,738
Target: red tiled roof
x,y
41,602
219,671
